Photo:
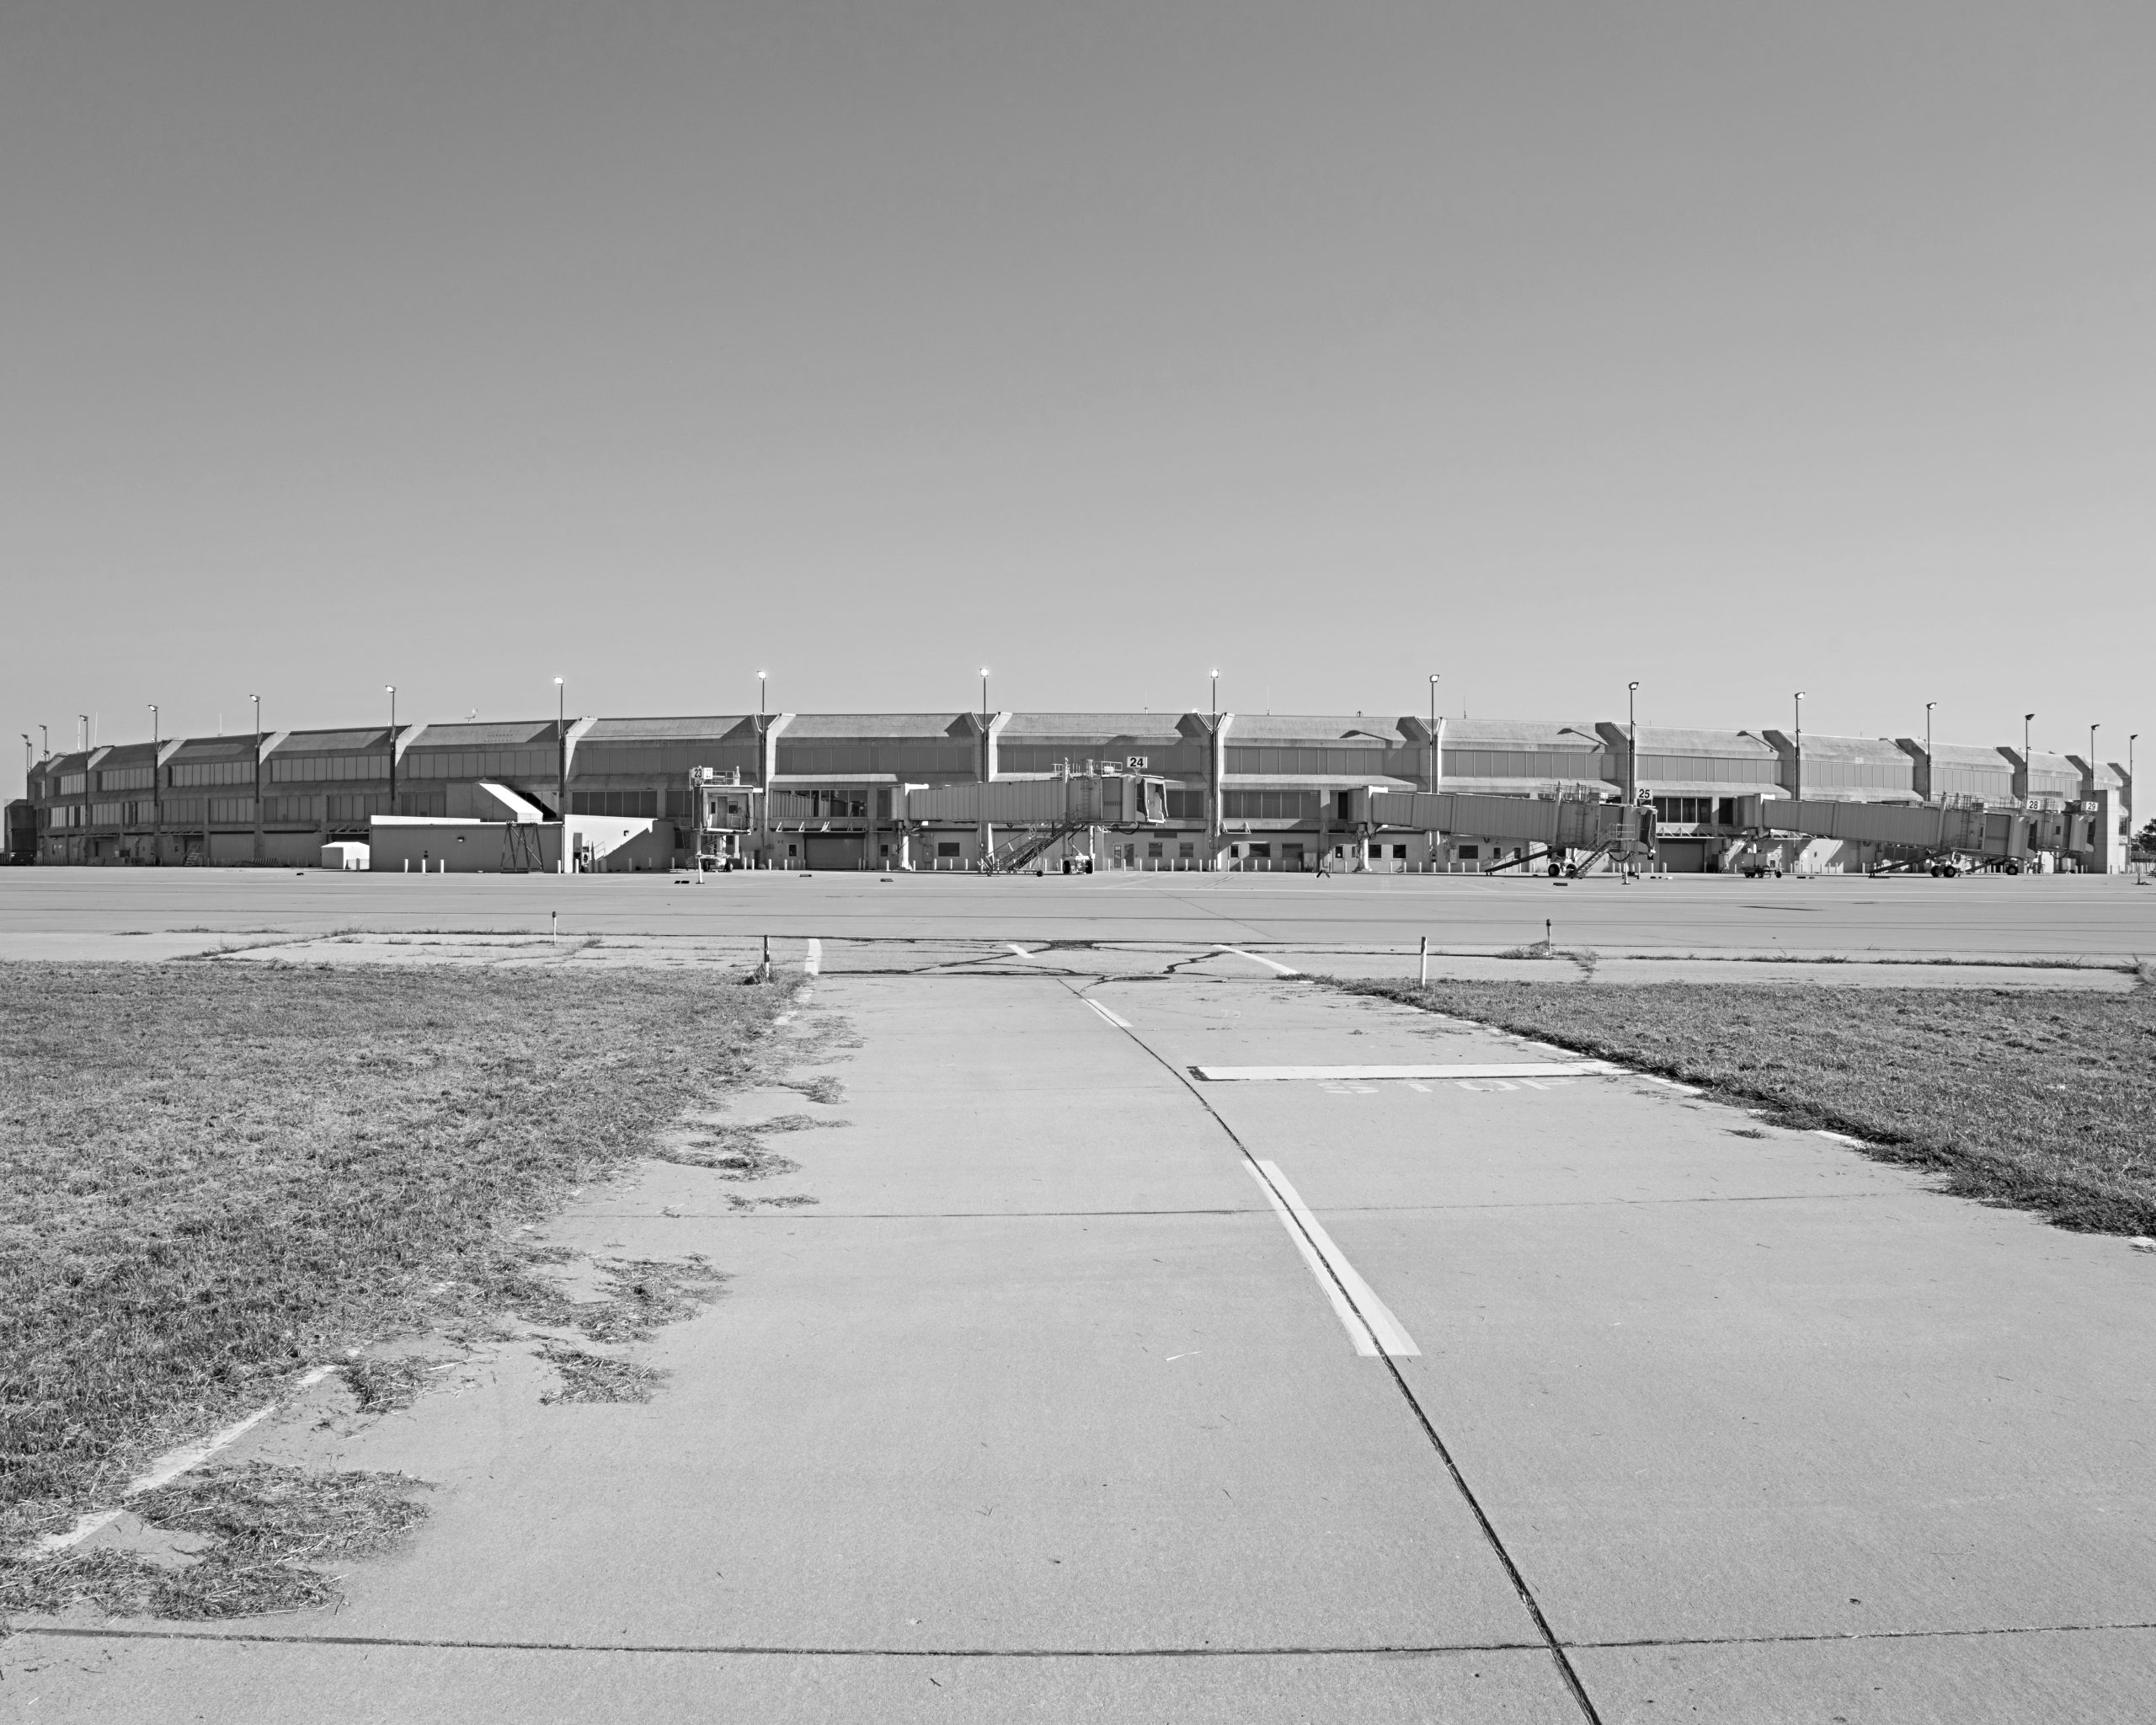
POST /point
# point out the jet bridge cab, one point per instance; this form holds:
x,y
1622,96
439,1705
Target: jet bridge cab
x,y
725,812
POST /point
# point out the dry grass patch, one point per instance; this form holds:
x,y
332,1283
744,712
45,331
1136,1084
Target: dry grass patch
x,y
2045,1101
212,1176
260,1530
598,1377
384,1386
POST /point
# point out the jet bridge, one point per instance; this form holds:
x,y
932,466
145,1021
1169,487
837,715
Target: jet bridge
x,y
1558,824
1951,834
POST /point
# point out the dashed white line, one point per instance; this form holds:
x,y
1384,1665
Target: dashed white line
x,y
1358,1333
1260,959
1514,1069
1368,1321
1018,949
1119,1023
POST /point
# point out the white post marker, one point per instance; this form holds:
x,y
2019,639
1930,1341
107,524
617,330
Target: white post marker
x,y
813,965
1422,969
1370,1322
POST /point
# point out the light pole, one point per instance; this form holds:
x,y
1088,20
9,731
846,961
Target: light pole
x,y
763,778
1930,778
1437,757
1631,743
984,835
257,700
1212,827
2093,729
83,732
2130,738
391,688
1799,787
44,744
156,801
2028,766
562,754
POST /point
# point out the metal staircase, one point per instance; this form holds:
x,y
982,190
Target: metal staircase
x,y
1014,854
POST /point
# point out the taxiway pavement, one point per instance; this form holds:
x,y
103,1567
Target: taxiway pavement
x,y
1086,1388
100,912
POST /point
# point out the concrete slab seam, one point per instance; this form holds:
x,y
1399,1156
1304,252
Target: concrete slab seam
x,y
1467,1069
98,1632
77,1631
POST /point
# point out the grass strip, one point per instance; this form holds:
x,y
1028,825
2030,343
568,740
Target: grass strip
x,y
2041,1100
212,1176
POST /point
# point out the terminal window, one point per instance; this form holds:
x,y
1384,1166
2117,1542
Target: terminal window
x,y
212,772
1696,810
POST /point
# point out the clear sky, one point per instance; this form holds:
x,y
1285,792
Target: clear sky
x,y
463,343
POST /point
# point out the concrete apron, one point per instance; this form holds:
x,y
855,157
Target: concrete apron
x,y
2108,918
1041,1410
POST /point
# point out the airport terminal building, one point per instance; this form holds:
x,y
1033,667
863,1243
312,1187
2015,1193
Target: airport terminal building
x,y
929,791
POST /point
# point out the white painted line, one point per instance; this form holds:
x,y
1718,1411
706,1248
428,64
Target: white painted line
x,y
1119,1023
813,965
1358,1333
1840,1138
1516,1069
1260,959
1390,1336
168,1467
1018,949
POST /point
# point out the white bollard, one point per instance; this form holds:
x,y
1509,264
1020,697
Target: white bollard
x,y
1422,971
